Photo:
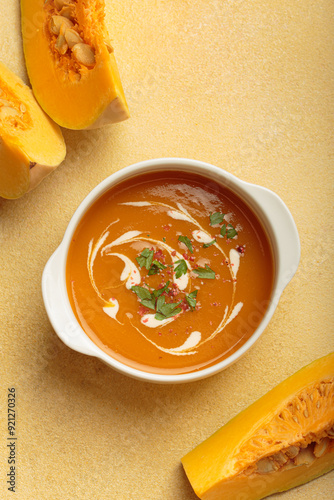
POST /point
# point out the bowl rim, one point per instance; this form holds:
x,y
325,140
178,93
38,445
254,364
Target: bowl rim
x,y
250,193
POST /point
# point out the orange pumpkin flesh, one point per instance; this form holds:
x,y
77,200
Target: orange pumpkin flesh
x,y
74,94
31,145
284,439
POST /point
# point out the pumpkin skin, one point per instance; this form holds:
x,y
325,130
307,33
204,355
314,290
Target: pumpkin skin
x,y
31,144
250,457
74,95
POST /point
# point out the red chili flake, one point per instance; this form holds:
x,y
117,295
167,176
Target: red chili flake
x,y
185,256
142,310
192,258
159,334
241,249
173,253
145,320
228,240
170,330
166,228
158,255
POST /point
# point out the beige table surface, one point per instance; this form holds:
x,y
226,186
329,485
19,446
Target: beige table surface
x,y
246,85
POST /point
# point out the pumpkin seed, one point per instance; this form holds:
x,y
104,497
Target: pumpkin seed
x,y
320,448
72,38
23,108
56,23
279,458
292,451
109,47
67,12
264,466
305,457
84,54
59,4
4,102
8,112
61,45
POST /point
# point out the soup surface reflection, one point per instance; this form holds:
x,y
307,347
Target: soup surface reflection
x,y
169,272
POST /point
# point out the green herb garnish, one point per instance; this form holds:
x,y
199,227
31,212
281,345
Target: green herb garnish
x,y
165,311
156,267
145,258
187,242
181,268
145,296
157,293
207,245
216,218
231,232
206,273
223,230
191,299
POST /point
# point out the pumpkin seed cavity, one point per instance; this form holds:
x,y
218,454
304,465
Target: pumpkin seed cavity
x,y
73,53
13,113
308,406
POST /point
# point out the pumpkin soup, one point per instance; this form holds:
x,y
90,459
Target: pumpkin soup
x,y
169,272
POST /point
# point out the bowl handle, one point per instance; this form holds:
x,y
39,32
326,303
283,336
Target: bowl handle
x,y
284,232
58,309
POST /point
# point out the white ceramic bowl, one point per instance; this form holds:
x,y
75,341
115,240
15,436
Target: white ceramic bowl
x,y
268,207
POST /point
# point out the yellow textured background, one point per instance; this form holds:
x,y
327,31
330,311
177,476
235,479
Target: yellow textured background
x,y
248,86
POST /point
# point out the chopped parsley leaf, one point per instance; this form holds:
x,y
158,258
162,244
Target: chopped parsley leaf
x,y
223,230
231,232
206,273
156,267
146,298
181,268
158,292
165,311
191,299
216,218
187,242
145,258
207,245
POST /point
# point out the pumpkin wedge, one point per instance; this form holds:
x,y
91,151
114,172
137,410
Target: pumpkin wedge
x,y
284,439
31,144
71,64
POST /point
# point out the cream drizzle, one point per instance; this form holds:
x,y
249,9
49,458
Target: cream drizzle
x,y
130,273
234,262
112,309
129,235
150,321
192,341
202,236
131,276
178,216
